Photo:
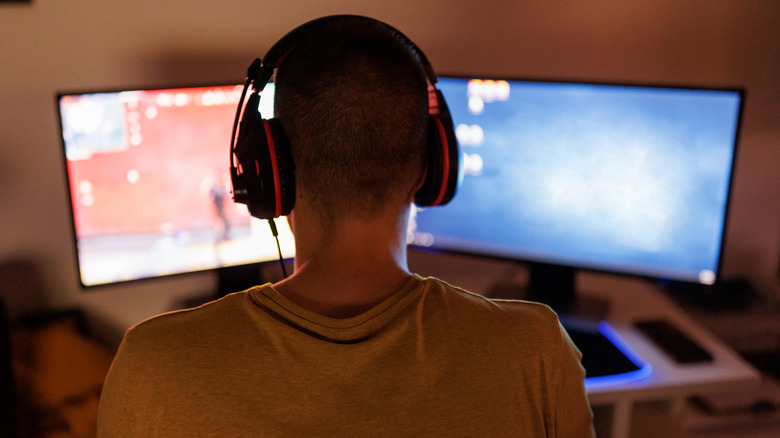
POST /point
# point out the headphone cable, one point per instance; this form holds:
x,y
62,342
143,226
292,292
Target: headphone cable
x,y
275,232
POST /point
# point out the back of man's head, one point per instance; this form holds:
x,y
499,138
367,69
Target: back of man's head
x,y
352,98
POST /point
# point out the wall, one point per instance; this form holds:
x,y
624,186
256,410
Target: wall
x,y
53,45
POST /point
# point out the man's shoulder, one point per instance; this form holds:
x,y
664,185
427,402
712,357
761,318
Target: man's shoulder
x,y
209,318
507,328
470,305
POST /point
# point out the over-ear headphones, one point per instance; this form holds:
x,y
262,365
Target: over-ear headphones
x,y
264,178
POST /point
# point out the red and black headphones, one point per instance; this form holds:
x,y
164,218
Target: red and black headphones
x,y
264,178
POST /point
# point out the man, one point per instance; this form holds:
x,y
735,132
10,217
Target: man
x,y
351,344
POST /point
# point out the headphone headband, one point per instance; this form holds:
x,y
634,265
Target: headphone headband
x,y
279,51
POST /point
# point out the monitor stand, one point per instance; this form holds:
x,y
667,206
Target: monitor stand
x,y
229,279
238,278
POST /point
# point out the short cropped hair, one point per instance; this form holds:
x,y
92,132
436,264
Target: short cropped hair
x,y
353,102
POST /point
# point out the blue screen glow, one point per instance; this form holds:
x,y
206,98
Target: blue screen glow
x,y
616,178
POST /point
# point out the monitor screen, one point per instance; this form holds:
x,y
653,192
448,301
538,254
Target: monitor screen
x,y
623,179
148,172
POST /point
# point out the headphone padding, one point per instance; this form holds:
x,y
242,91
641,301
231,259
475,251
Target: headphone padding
x,y
266,165
285,168
443,170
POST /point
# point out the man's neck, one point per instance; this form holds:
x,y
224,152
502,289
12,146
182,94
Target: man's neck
x,y
356,266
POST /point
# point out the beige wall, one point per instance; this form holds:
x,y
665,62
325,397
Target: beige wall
x,y
56,45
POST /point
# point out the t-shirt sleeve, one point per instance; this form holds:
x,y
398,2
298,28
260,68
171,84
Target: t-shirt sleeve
x,y
573,415
118,411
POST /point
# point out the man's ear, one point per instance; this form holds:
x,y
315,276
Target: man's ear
x,y
291,220
420,181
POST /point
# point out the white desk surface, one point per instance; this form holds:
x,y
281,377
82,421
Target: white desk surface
x,y
632,300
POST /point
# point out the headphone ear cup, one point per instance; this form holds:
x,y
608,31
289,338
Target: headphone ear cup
x,y
285,167
443,173
266,182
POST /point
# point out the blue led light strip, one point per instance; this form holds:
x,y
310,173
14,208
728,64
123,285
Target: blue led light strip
x,y
645,369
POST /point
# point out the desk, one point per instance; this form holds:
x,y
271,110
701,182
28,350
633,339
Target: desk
x,y
632,300
629,300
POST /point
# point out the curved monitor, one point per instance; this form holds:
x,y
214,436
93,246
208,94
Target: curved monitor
x,y
148,172
624,179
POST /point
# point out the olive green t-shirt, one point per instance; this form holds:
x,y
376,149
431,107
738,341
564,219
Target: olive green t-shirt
x,y
430,360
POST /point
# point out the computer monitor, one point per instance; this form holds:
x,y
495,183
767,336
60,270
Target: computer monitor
x,y
148,172
568,176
